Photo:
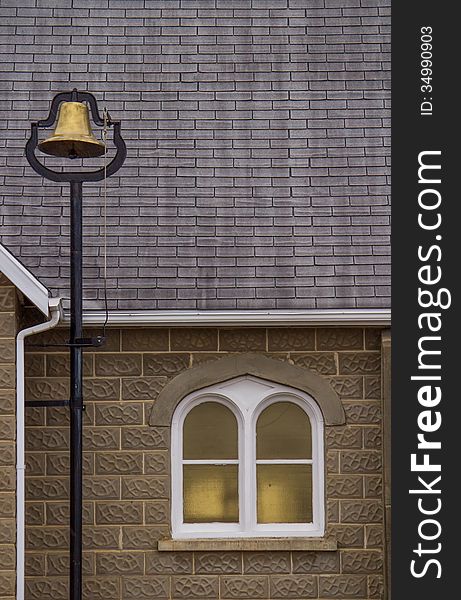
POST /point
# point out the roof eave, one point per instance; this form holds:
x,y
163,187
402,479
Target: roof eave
x,y
23,279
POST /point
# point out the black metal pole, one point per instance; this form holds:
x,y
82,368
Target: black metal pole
x,y
76,392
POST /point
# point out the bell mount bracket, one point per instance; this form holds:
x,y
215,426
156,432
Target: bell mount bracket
x,y
75,176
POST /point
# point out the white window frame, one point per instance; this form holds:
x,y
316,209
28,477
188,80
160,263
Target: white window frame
x,y
247,397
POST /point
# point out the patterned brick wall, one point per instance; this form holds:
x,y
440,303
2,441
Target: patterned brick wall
x,y
258,149
7,438
127,471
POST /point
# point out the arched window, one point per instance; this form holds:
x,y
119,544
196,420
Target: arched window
x,y
247,461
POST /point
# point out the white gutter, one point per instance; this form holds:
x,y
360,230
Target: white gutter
x,y
175,318
56,313
23,279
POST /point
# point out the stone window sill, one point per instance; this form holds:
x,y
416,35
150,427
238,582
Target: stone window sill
x,y
251,544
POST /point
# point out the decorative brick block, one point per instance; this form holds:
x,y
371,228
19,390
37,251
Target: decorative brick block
x,y
34,365
242,340
135,588
101,389
169,563
118,365
266,562
50,438
47,389
361,561
200,586
373,339
58,365
165,364
148,438
7,401
339,339
101,438
315,562
343,437
361,511
7,376
295,586
360,461
194,339
46,589
359,363
372,437
119,512
118,463
7,532
102,488
372,388
57,513
58,463
157,512
290,339
7,299
47,488
362,413
47,538
7,558
119,414
156,463
35,513
321,362
7,325
376,587
332,461
142,537
241,587
147,486
373,486
101,588
214,563
7,350
7,454
347,387
344,486
142,388
374,536
120,563
7,502
342,586
101,538
58,564
145,340
34,565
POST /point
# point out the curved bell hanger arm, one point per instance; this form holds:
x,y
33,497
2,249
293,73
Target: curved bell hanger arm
x,y
78,176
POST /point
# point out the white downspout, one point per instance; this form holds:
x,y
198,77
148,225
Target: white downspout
x,y
55,309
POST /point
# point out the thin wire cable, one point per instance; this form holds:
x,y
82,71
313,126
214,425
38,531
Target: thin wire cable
x,y
104,137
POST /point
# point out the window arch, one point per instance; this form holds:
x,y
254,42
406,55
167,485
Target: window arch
x,y
247,461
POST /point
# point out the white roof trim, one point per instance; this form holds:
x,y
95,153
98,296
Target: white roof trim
x,y
177,318
24,280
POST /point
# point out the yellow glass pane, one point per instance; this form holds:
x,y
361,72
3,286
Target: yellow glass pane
x,y
284,493
211,494
283,431
210,432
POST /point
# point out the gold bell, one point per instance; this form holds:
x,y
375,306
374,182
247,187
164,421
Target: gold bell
x,y
73,137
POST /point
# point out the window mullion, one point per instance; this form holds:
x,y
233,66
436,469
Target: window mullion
x,y
247,466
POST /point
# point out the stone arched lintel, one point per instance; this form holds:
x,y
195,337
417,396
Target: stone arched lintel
x,y
237,365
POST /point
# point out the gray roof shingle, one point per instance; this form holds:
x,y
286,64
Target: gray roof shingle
x,y
258,150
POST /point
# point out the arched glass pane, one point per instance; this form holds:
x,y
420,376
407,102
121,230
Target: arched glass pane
x,y
211,494
283,430
284,493
210,432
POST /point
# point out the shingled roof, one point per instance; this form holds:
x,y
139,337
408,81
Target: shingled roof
x,y
258,144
